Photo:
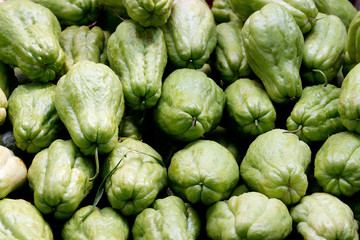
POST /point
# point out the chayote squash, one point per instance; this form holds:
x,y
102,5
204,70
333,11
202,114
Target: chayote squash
x,y
30,43
170,218
59,176
83,43
275,164
138,56
352,49
190,34
249,109
315,115
203,172
21,220
111,17
274,48
323,216
137,180
324,50
101,224
13,172
190,105
130,128
222,11
3,107
250,216
32,112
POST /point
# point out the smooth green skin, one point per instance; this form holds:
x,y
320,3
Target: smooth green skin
x,y
316,114
190,34
344,9
82,43
191,104
274,48
90,103
222,11
169,218
301,10
352,50
203,172
149,13
349,100
249,108
231,60
101,224
138,56
138,179
32,42
337,164
19,219
129,128
321,216
59,177
73,12
32,112
251,216
324,50
275,165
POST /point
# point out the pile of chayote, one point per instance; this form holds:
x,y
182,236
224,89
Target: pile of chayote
x,y
179,119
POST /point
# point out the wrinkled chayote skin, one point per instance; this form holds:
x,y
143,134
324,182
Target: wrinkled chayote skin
x,y
138,56
32,112
169,218
275,164
137,180
349,100
21,220
13,172
190,34
323,216
153,13
101,224
190,105
90,102
250,216
222,11
72,12
274,48
231,60
352,49
59,176
203,172
83,43
315,115
30,43
249,109
337,164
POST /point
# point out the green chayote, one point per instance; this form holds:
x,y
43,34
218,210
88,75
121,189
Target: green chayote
x,y
170,218
101,224
274,48
59,176
32,112
275,164
222,11
250,216
30,43
352,49
130,128
323,216
3,107
190,105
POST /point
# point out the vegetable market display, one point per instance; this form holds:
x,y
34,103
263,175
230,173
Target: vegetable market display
x,y
179,119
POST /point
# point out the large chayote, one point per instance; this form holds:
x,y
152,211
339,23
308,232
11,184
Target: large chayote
x,y
250,216
275,164
29,36
21,220
352,49
190,33
324,216
315,115
101,224
274,47
137,180
138,56
32,112
190,105
59,176
203,172
169,218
